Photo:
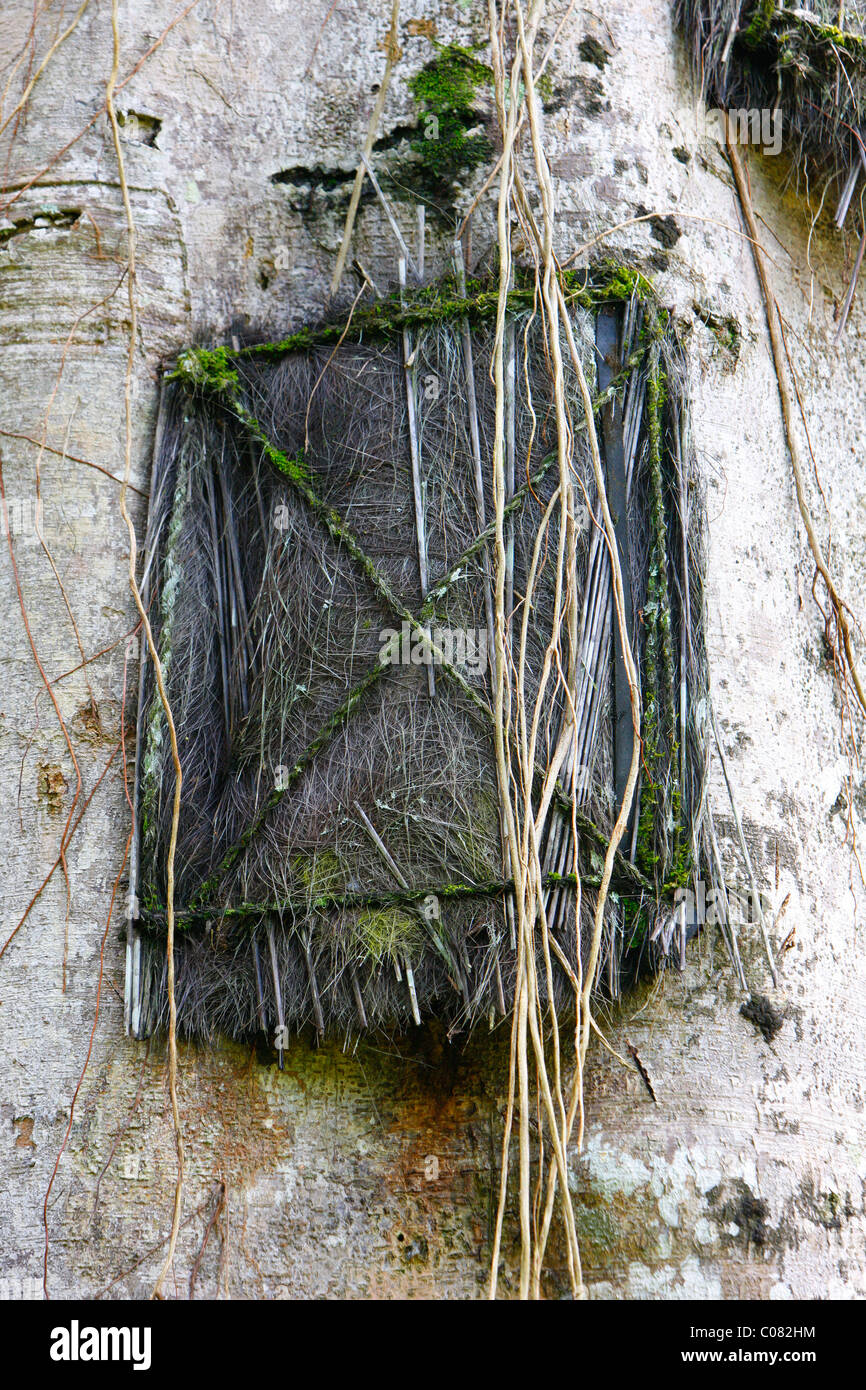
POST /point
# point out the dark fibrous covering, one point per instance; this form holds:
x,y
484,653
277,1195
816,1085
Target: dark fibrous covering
x,y
806,62
339,858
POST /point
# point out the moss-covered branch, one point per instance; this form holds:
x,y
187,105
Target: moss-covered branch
x,y
216,368
301,906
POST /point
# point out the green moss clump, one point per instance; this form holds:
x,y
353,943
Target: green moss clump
x,y
297,468
609,281
321,873
759,25
623,281
725,330
840,38
451,81
797,29
446,91
682,866
206,367
544,88
729,337
387,934
591,51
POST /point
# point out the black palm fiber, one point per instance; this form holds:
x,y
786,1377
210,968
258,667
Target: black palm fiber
x,y
339,860
760,55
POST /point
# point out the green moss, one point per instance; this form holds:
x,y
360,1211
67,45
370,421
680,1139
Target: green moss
x,y
759,25
387,934
295,468
796,30
683,865
724,328
321,873
591,51
840,38
728,336
544,88
206,367
450,82
610,280
450,147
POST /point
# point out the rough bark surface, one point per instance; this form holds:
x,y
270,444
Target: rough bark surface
x,y
372,1173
